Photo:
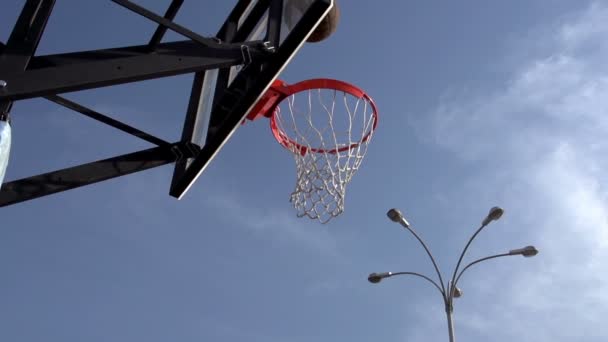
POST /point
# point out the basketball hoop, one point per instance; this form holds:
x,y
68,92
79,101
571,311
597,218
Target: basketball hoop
x,y
327,125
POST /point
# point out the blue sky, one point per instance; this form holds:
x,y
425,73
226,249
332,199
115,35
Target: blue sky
x,y
484,103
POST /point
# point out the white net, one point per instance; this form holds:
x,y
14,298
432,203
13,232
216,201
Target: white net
x,y
328,132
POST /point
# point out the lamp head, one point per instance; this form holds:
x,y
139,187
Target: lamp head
x,y
494,214
375,278
396,216
528,251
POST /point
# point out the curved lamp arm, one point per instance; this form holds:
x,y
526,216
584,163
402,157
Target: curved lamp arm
x,y
396,216
464,251
478,261
428,252
376,277
494,214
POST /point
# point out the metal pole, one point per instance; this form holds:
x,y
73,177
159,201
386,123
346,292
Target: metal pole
x,y
448,311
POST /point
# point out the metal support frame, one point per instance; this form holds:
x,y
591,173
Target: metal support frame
x,y
28,76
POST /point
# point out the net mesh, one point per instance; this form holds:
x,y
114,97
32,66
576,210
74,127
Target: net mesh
x,y
328,132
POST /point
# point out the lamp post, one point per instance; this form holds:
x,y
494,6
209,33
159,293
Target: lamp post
x,y
451,291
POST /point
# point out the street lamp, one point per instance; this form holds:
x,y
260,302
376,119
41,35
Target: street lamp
x,y
451,291
375,278
528,251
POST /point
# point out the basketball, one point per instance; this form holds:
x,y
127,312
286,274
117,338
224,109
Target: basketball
x,y
327,27
294,9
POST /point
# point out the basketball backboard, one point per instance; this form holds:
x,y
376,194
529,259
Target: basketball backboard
x,y
222,98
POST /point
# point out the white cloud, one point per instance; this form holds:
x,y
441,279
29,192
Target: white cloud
x,y
545,134
273,222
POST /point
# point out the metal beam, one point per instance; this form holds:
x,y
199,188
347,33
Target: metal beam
x,y
227,34
233,18
207,42
275,14
106,120
26,34
187,47
252,20
161,30
189,123
23,41
103,68
77,176
230,32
